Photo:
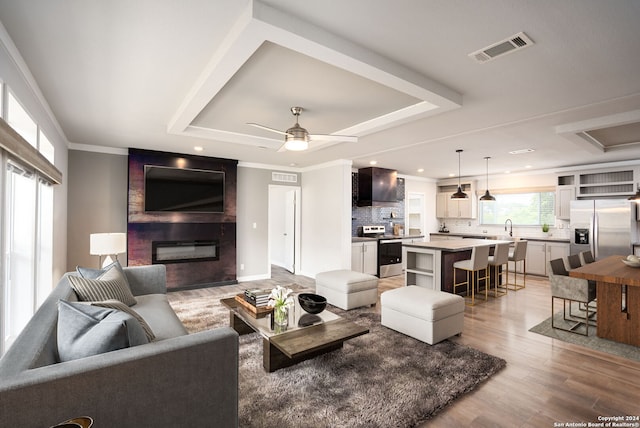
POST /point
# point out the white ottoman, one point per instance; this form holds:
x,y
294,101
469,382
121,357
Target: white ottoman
x,y
427,315
347,289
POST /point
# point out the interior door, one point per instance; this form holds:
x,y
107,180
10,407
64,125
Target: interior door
x,y
290,231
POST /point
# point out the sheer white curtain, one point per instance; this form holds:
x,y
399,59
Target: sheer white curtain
x,y
19,247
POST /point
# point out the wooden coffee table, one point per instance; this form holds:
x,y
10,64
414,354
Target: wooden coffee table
x,y
283,348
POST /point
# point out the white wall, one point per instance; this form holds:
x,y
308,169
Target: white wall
x,y
15,74
326,218
97,202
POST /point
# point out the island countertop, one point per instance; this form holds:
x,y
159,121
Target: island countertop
x,y
455,245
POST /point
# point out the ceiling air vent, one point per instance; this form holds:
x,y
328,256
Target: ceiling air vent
x,y
511,44
284,177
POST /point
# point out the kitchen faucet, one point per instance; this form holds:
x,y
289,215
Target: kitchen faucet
x,y
510,226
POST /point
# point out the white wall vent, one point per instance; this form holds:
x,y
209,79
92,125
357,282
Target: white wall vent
x,y
284,177
509,45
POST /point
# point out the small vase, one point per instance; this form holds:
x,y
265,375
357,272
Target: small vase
x,y
281,315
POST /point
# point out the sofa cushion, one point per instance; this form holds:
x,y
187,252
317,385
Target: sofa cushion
x,y
85,330
110,285
158,313
118,305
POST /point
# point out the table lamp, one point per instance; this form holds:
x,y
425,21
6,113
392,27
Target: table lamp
x,y
107,244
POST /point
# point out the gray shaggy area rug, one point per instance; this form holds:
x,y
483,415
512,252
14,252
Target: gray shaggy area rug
x,y
380,379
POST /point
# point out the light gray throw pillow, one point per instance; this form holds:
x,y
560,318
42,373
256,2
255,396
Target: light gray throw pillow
x,y
118,305
85,330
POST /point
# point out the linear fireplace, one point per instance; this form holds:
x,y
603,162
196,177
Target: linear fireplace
x,y
163,252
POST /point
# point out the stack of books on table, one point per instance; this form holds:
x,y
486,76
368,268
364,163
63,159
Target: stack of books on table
x,y
258,298
255,302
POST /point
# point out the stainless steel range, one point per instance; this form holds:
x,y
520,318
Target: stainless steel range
x,y
389,251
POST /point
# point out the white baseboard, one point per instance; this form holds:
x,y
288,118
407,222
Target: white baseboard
x,y
253,277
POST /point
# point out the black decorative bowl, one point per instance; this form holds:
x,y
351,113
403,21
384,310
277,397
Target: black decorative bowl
x,y
312,303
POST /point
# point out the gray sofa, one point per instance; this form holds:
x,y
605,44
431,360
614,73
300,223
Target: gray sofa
x,y
177,380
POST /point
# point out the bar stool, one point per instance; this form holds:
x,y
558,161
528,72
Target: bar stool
x,y
519,254
477,262
500,257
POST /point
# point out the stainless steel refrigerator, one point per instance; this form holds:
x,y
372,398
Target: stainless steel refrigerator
x,y
604,226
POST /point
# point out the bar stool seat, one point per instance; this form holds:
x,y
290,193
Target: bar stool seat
x,y
500,257
519,254
478,262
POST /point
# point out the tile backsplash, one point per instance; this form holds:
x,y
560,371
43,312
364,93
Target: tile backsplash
x,y
387,216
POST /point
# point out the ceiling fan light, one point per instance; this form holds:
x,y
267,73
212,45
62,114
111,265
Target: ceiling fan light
x,y
295,144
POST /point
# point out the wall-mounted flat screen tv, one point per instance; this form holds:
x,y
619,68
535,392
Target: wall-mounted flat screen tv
x,y
170,189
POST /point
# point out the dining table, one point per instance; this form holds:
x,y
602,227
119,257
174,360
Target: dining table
x,y
618,298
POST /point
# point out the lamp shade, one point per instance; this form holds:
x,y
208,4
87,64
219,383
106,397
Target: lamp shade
x,y
102,244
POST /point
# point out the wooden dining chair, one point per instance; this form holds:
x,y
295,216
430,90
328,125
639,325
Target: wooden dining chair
x,y
587,257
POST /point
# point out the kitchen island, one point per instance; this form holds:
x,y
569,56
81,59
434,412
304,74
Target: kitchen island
x,y
430,264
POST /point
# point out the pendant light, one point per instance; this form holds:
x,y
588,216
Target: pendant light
x,y
459,194
487,196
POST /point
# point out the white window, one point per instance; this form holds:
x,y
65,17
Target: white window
x,y
19,119
45,147
26,211
524,209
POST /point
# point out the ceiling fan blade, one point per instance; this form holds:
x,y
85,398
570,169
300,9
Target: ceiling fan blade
x,y
333,138
266,128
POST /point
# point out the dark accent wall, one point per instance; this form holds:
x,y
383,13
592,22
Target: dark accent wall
x,y
143,228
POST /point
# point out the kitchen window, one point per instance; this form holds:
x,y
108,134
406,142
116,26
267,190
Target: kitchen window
x,y
529,208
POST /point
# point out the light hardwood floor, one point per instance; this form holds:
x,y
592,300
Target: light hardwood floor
x,y
546,381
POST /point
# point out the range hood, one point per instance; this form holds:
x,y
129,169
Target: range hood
x,y
377,187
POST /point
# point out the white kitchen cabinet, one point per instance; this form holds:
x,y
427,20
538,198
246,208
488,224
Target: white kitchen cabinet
x,y
459,208
557,250
536,258
364,257
442,200
564,196
455,208
539,253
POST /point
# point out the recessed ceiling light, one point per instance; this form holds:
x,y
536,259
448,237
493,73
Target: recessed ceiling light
x,y
420,169
527,166
373,162
521,151
507,172
198,148
451,174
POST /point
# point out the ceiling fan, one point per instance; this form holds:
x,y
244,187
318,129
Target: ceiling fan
x,y
297,138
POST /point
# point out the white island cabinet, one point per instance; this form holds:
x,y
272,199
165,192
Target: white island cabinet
x,y
430,264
